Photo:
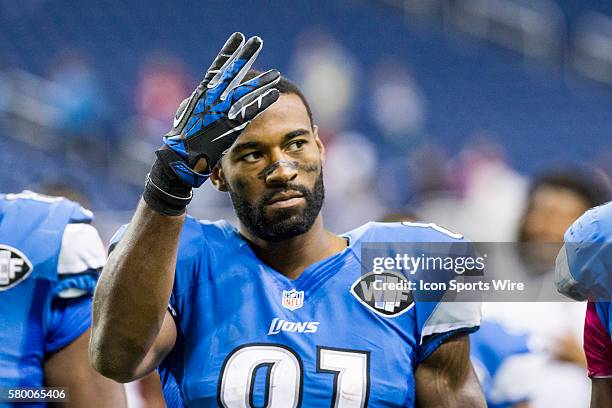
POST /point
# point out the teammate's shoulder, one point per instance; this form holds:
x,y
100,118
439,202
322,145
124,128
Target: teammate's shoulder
x,y
82,250
403,232
595,225
34,203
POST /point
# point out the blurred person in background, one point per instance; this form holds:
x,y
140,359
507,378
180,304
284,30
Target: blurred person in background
x,y
503,361
162,83
50,257
584,271
479,193
556,198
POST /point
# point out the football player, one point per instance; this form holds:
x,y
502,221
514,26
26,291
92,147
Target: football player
x,y
264,314
584,271
50,258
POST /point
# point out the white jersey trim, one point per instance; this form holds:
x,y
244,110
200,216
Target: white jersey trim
x,y
449,316
82,249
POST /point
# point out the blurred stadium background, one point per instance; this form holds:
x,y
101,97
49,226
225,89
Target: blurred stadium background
x,y
443,110
423,104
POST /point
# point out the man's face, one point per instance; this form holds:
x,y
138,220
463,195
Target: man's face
x,y
552,211
273,172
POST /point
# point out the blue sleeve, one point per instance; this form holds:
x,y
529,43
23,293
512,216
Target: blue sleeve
x,y
430,343
172,393
68,309
67,319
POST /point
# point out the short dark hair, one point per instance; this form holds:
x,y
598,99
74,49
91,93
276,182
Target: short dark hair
x,y
589,183
284,86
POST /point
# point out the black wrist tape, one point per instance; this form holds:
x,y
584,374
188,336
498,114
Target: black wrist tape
x,y
164,191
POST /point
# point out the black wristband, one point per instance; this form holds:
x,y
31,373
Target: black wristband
x,y
164,191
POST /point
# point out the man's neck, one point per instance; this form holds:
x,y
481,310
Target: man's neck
x,y
291,257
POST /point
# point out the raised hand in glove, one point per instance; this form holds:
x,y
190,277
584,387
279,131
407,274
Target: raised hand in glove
x,y
208,122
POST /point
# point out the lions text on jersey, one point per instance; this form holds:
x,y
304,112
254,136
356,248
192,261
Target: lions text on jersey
x,y
249,336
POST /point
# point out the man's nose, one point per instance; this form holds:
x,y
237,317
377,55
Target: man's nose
x,y
281,172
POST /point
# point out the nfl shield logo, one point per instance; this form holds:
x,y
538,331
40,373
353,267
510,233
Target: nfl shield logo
x,y
292,299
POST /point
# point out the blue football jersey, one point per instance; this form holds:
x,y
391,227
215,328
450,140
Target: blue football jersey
x,y
172,394
249,336
498,357
49,260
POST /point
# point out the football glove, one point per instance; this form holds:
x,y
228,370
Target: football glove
x,y
208,122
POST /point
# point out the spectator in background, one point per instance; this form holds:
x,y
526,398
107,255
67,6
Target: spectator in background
x,y
484,195
162,85
555,200
502,361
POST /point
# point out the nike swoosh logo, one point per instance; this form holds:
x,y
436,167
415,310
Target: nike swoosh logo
x,y
232,130
178,120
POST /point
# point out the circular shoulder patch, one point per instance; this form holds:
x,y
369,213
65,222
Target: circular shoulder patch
x,y
14,267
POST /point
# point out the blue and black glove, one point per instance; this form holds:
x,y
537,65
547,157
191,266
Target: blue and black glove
x,y
207,124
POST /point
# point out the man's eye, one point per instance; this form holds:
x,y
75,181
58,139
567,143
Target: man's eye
x,y
252,157
296,145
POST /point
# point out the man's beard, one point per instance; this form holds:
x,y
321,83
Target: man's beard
x,y
287,222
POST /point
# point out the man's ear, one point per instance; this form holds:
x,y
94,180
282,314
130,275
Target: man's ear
x,y
315,132
217,178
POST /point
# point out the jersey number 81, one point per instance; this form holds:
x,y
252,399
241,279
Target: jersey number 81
x,y
284,382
